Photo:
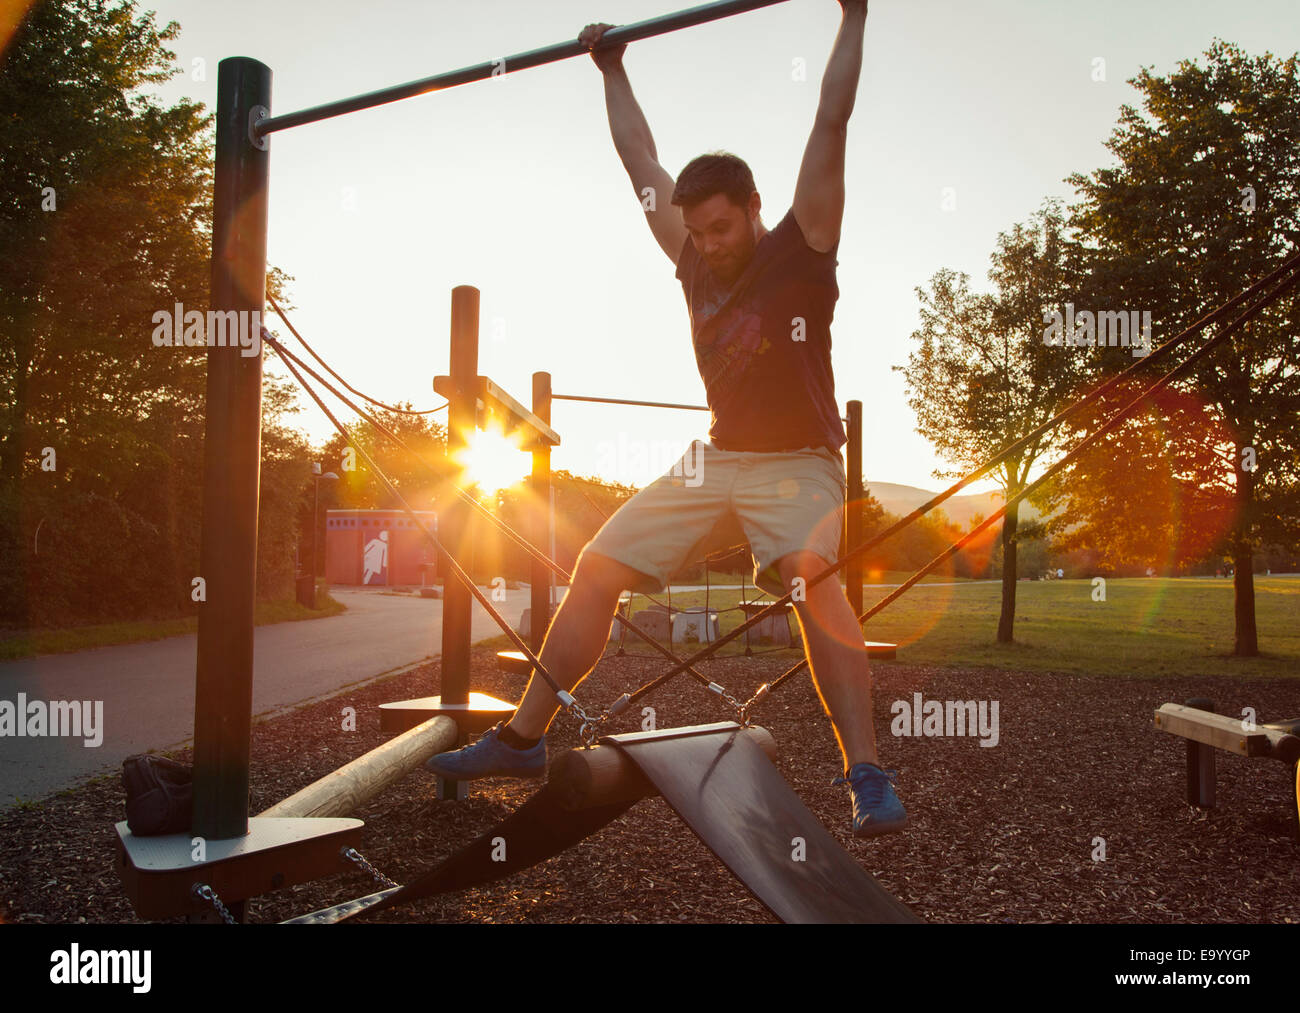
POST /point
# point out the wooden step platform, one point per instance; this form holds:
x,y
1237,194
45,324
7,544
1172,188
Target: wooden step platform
x,y
158,872
480,714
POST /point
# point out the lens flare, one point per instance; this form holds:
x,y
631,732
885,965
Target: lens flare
x,y
493,461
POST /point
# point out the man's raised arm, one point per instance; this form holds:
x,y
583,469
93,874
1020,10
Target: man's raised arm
x,y
819,194
636,146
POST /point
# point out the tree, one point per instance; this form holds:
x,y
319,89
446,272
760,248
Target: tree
x,y
1152,494
983,376
417,473
1204,200
104,197
105,219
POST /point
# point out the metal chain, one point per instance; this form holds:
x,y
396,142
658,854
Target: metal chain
x,y
205,892
736,705
353,855
589,730
752,702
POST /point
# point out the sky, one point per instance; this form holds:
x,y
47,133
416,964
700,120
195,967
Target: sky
x,y
513,185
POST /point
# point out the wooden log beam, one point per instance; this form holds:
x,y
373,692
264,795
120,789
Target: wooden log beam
x,y
602,775
1226,733
340,792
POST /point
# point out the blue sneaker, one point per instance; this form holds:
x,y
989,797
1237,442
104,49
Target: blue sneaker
x,y
490,757
876,808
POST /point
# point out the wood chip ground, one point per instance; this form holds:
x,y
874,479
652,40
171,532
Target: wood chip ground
x,y
1003,834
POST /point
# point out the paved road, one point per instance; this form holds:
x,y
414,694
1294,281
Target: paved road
x,y
147,690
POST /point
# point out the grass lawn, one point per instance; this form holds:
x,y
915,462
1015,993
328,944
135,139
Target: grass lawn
x,y
1145,627
79,638
871,577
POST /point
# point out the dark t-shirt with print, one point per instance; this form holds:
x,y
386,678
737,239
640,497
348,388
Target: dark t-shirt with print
x,y
763,345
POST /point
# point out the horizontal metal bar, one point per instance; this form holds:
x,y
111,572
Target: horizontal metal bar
x,y
534,58
623,400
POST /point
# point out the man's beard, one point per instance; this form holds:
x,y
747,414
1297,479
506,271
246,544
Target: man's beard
x,y
733,266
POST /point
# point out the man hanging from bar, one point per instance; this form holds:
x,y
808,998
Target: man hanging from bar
x,y
761,303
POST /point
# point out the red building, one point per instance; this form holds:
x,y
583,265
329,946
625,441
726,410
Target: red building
x,y
378,547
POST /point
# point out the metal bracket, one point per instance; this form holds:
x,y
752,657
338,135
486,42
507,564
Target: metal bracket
x,y
255,116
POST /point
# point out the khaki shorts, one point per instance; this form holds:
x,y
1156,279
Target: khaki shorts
x,y
784,502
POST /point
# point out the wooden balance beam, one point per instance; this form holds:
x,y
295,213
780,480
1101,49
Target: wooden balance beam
x,y
1206,731
340,792
719,779
604,775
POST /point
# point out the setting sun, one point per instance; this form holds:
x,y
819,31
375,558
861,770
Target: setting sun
x,y
493,461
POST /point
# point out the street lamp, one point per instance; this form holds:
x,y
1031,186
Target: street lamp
x,y
329,476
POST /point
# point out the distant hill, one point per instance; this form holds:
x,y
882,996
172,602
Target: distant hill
x,y
903,499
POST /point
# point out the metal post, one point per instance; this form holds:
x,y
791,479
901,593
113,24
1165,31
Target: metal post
x,y
540,575
315,526
223,703
853,508
453,521
453,527
1200,763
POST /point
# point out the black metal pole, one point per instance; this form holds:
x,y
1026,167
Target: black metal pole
x,y
1200,763
533,58
223,702
315,526
453,526
540,576
454,530
853,507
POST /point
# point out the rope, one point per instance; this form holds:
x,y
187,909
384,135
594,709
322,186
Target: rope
x,y
366,397
565,698
686,666
1163,351
1122,414
568,701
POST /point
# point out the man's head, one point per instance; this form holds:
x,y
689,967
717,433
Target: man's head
x,y
720,209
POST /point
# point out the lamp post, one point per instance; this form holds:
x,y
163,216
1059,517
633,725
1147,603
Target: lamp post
x,y
329,476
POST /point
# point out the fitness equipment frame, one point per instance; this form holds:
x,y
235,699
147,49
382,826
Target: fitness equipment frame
x,y
232,452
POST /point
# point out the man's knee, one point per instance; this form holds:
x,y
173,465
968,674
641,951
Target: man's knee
x,y
800,568
604,576
797,571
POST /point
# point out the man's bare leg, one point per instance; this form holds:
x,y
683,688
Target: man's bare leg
x,y
837,657
576,639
